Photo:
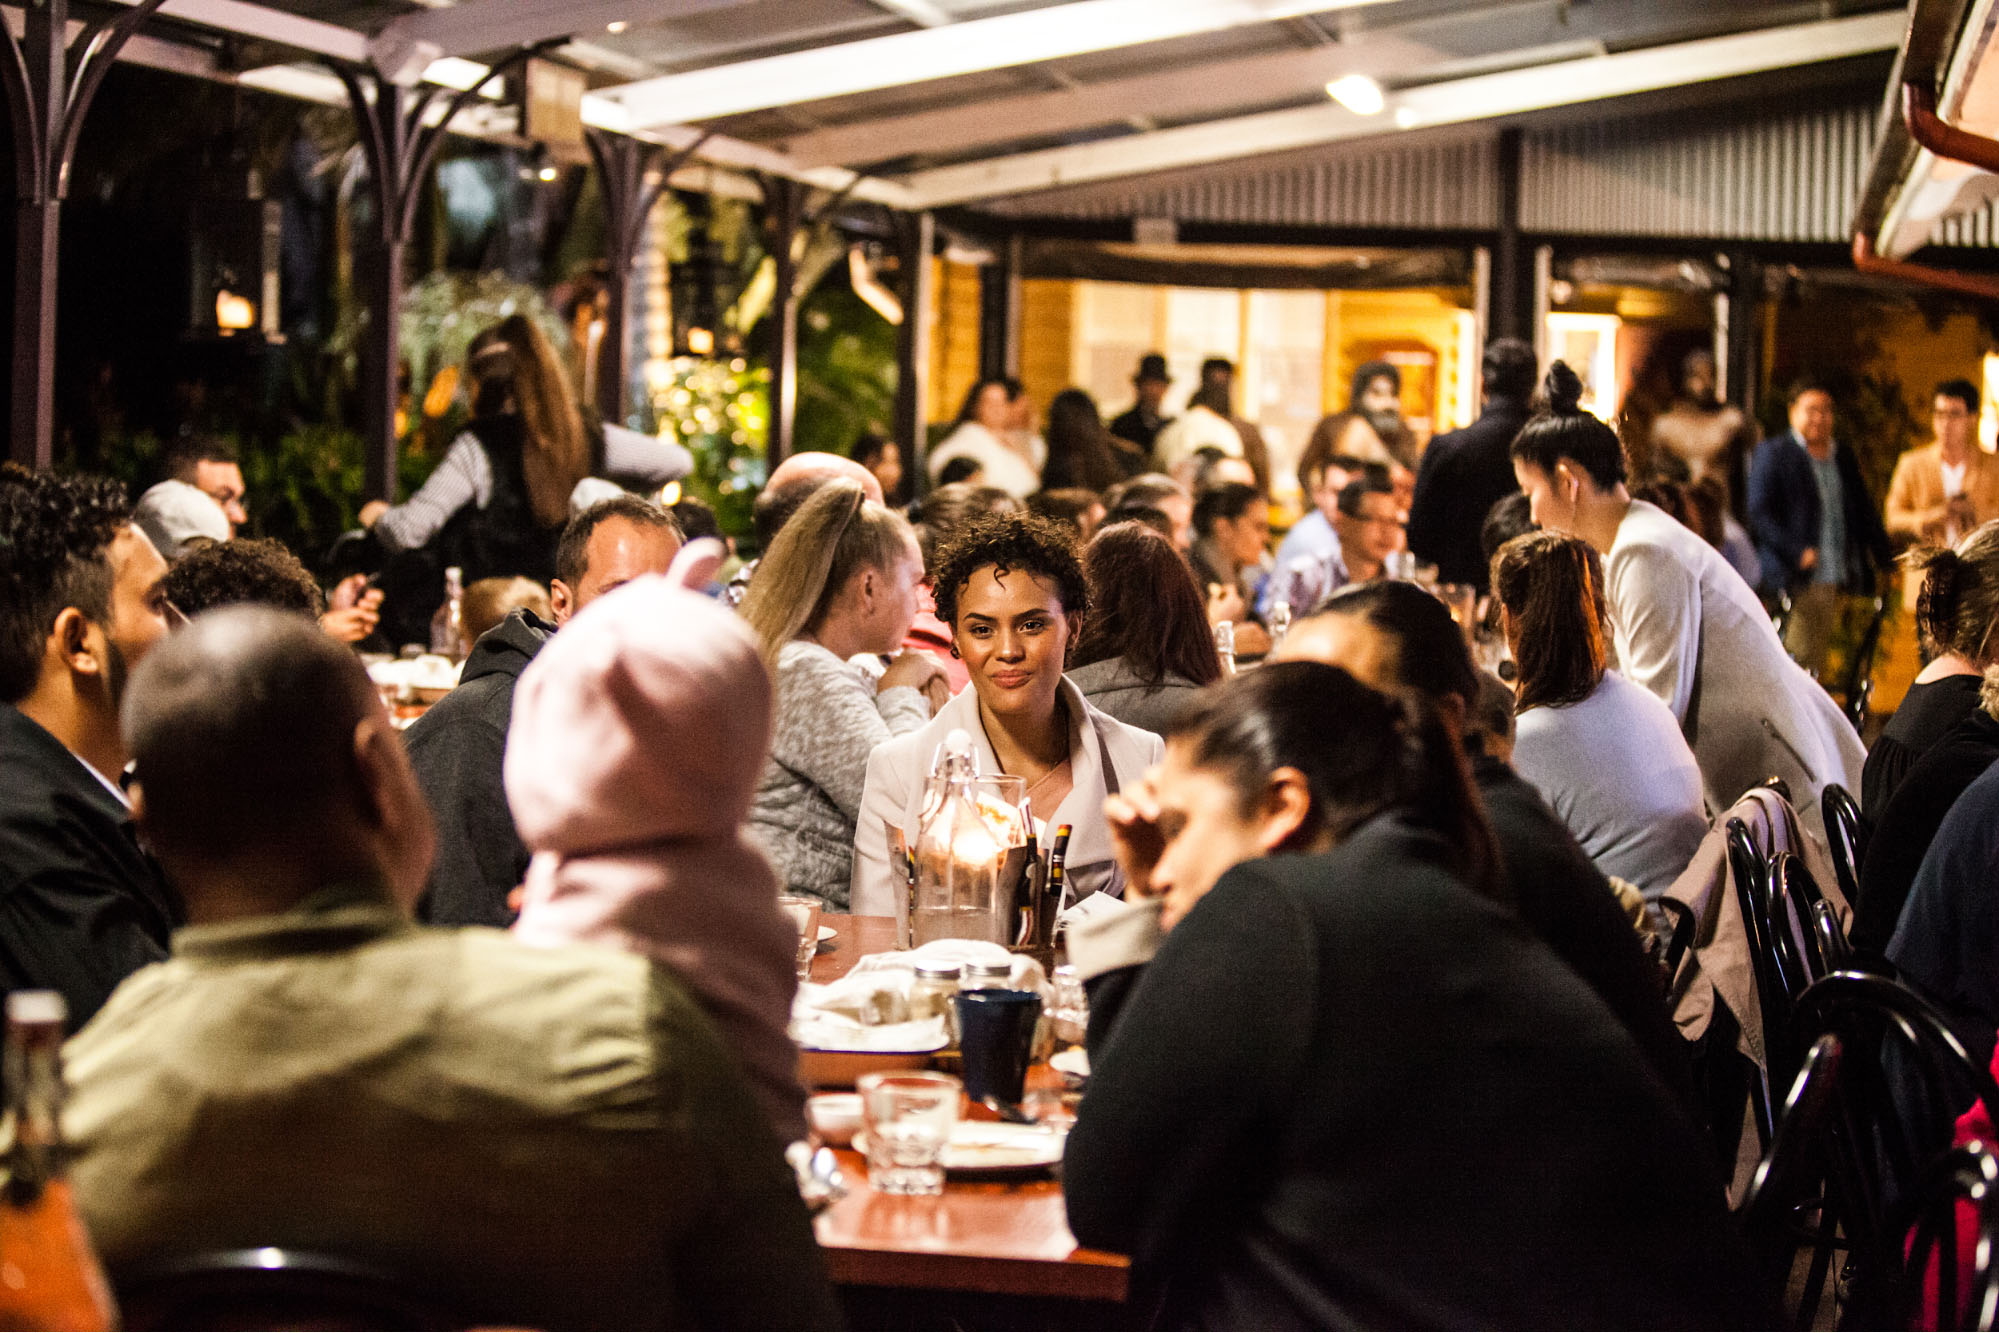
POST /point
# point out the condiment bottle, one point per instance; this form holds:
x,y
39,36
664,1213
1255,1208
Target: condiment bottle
x,y
930,995
986,976
49,1273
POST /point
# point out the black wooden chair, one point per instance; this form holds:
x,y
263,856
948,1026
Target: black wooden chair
x,y
1785,1207
1749,868
1858,686
273,1288
1847,832
1938,1233
1831,939
1903,1079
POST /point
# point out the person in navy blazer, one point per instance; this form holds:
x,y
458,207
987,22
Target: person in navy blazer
x,y
1787,520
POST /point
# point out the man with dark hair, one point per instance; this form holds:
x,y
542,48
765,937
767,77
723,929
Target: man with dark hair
x,y
531,1136
243,569
1369,525
1466,472
1141,425
459,745
81,906
210,465
1156,490
1816,527
1944,489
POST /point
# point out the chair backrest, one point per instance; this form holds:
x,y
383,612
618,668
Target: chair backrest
x,y
1749,867
1792,1172
1792,893
274,1288
1833,950
1904,1078
1859,683
1950,1278
1847,834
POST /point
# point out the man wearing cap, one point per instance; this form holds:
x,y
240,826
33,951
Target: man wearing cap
x,y
1141,425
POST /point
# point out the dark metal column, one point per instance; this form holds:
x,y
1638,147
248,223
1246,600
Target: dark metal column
x,y
1512,314
633,173
999,313
1745,317
48,96
400,151
915,235
784,220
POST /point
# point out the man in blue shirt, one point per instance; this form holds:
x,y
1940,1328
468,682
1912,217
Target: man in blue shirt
x,y
1817,532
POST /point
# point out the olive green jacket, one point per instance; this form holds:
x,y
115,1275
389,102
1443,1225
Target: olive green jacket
x,y
552,1138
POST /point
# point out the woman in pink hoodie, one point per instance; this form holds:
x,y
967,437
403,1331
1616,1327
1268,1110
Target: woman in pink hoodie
x,y
637,738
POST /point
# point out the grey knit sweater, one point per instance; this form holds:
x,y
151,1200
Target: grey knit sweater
x,y
829,718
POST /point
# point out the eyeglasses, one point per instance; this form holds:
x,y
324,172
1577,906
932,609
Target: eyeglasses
x,y
176,618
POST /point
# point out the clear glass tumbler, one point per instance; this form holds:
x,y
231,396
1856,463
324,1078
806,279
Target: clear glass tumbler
x,y
804,913
908,1118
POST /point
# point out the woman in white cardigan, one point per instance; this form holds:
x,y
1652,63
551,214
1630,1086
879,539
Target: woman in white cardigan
x,y
1012,591
1685,625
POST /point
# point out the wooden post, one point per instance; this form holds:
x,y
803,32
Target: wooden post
x,y
48,96
400,150
915,237
634,173
784,218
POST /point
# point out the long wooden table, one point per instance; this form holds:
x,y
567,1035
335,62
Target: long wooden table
x,y
1007,1239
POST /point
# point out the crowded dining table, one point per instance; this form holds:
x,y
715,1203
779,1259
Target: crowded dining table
x,y
981,1237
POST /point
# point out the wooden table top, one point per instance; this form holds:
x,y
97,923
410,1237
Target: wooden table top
x,y
983,1236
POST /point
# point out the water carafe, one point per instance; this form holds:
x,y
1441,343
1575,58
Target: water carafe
x,y
971,850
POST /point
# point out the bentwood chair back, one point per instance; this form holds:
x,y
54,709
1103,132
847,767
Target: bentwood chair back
x,y
1846,831
271,1288
1950,1278
1749,868
1904,1077
1858,686
1785,1208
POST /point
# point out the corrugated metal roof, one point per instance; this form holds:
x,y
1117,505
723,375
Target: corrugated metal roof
x,y
1446,185
1754,174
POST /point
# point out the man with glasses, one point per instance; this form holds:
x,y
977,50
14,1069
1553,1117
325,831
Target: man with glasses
x,y
1944,489
1369,525
81,906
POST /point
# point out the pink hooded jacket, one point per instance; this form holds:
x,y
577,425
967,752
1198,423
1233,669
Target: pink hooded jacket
x,y
637,738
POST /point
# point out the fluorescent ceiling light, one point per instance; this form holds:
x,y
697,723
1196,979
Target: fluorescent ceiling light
x,y
1358,94
1051,32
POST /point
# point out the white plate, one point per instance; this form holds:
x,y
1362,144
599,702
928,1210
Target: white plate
x,y
1073,1063
826,933
994,1147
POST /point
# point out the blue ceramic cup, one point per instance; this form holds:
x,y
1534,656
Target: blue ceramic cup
x,y
996,1041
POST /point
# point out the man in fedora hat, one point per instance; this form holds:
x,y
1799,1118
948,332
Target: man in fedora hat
x,y
1140,426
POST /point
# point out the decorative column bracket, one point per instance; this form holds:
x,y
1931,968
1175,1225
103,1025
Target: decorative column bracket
x,y
400,150
49,85
634,174
787,218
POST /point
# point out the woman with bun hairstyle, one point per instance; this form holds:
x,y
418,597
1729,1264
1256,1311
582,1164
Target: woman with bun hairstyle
x,y
1685,625
1952,710
1956,611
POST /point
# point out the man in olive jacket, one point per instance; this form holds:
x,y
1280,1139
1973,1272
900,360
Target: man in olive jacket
x,y
530,1137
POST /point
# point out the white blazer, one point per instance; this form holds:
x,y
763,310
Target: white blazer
x,y
1105,755
1001,463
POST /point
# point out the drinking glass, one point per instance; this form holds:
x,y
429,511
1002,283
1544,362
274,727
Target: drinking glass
x,y
996,1041
908,1118
804,913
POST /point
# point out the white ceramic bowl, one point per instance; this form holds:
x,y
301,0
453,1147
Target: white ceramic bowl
x,y
834,1116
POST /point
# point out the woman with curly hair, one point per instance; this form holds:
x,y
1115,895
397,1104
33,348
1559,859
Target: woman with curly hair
x,y
1013,593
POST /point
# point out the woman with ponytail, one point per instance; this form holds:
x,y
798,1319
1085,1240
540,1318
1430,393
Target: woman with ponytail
x,y
1333,1083
843,579
1684,624
1956,611
497,501
1606,756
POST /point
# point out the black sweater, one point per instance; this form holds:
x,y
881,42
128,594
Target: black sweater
x,y
1348,1091
1904,830
458,749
